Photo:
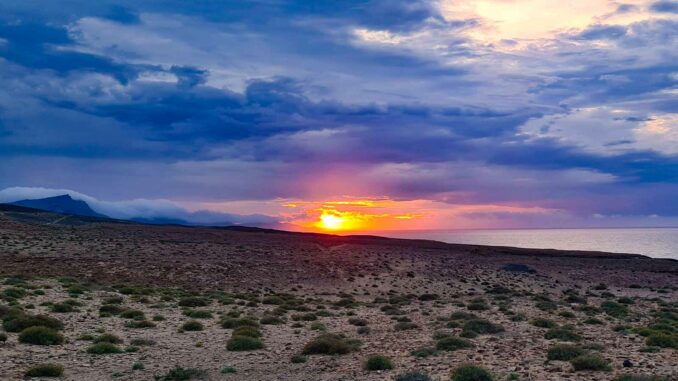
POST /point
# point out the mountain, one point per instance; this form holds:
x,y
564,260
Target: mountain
x,y
61,204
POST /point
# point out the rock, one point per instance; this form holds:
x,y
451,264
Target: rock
x,y
627,364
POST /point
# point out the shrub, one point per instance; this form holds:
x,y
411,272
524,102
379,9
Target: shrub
x,y
452,344
461,315
142,342
471,373
243,343
478,305
544,323
564,352
103,348
113,300
111,309
140,324
14,293
271,320
662,340
108,338
45,370
482,326
138,366
247,331
328,344
413,376
405,325
424,352
63,308
3,337
194,301
40,335
197,314
378,362
228,370
590,362
192,325
562,334
357,322
614,309
298,359
133,314
231,322
19,321
181,374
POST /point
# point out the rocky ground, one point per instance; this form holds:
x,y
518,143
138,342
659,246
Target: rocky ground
x,y
320,306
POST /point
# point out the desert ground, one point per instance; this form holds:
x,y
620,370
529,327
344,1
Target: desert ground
x,y
90,299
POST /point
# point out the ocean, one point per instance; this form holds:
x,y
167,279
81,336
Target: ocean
x,y
652,242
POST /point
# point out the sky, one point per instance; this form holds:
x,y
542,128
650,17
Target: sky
x,y
350,115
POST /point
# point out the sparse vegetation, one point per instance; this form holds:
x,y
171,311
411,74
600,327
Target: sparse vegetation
x,y
45,370
378,362
40,335
471,373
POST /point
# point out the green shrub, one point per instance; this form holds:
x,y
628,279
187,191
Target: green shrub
x,y
614,309
482,327
378,362
181,374
478,305
45,370
461,315
452,344
424,352
40,335
197,314
3,337
139,324
413,376
103,348
244,343
544,323
590,362
133,314
63,308
328,344
298,359
662,340
194,301
142,342
228,370
14,293
111,309
564,352
562,334
471,373
138,366
192,325
108,338
247,331
19,321
271,320
405,325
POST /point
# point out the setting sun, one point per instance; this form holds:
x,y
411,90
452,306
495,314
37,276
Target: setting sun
x,y
331,221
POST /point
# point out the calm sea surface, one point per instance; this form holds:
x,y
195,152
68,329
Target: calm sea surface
x,y
658,243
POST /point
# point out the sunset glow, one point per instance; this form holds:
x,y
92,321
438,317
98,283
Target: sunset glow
x,y
331,221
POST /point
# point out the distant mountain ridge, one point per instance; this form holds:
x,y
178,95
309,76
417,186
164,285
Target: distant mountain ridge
x,y
64,204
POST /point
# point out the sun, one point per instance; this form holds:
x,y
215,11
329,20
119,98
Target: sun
x,y
331,221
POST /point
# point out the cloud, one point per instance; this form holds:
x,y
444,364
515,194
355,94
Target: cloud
x,y
665,6
254,101
141,209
